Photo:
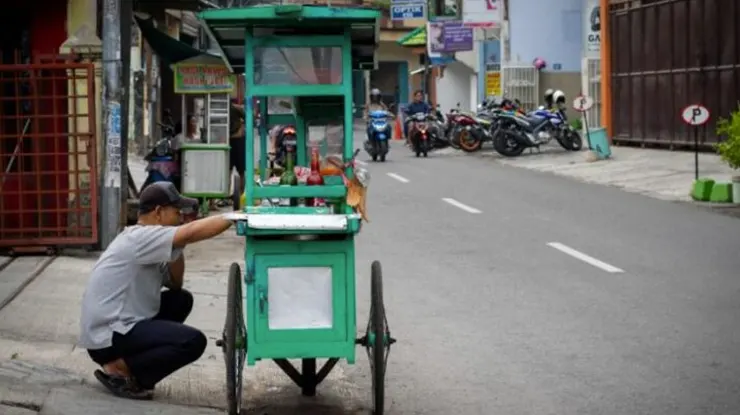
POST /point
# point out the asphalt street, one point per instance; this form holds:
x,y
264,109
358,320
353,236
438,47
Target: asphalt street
x,y
517,292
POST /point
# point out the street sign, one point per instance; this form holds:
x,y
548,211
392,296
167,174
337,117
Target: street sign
x,y
583,103
407,10
695,115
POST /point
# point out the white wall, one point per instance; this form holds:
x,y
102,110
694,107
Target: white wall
x,y
470,58
455,86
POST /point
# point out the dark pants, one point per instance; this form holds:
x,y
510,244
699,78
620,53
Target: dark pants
x,y
154,349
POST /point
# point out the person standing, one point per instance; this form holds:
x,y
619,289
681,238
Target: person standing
x,y
237,141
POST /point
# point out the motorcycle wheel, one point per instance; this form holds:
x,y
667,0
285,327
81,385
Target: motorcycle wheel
x,y
418,153
576,142
507,146
468,143
426,154
454,137
383,149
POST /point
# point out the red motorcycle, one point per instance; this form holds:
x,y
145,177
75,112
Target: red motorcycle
x,y
419,134
467,132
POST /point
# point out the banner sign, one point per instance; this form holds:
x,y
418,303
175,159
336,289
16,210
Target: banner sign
x,y
449,37
483,13
592,29
200,78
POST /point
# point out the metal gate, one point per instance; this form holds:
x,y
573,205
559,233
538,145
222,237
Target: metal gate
x,y
48,163
591,86
666,55
521,81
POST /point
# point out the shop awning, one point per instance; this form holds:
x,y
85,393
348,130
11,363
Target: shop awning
x,y
192,5
415,38
169,49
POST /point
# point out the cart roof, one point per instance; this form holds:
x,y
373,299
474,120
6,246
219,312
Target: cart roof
x,y
227,27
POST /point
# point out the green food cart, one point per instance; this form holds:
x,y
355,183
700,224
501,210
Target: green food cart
x,y
205,161
298,292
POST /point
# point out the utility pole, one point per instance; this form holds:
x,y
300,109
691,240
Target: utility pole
x,y
110,193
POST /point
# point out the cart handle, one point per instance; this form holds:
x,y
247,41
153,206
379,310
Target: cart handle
x,y
244,217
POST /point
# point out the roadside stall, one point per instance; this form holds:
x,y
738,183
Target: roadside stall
x,y
295,302
205,154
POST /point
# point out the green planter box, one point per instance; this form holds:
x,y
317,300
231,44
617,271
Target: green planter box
x,y
702,189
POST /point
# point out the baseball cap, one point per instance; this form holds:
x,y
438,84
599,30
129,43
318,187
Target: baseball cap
x,y
163,194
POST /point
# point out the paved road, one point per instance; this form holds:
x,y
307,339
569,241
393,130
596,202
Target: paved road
x,y
493,320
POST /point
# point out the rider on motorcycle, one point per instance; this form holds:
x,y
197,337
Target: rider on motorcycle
x,y
418,105
375,104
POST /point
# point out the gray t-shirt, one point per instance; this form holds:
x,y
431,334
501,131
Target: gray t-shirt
x,y
126,283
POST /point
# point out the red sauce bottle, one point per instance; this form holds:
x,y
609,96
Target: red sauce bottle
x,y
314,178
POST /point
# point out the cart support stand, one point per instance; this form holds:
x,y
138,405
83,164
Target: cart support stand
x,y
308,379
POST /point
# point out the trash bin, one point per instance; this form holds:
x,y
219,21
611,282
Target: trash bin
x,y
599,142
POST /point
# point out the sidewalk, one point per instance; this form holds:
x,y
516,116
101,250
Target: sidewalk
x,y
661,174
39,328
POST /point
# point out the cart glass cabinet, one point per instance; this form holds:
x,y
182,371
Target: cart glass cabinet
x,y
298,289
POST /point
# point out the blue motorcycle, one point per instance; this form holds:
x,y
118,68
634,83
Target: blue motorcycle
x,y
163,163
380,132
516,132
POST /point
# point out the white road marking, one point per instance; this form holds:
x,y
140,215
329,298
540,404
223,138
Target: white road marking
x,y
462,206
398,177
361,163
585,258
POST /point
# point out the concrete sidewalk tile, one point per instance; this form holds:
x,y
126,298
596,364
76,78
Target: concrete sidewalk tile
x,y
4,260
93,402
18,273
7,410
48,309
659,173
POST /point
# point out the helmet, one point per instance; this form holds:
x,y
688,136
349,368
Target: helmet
x,y
559,97
549,95
374,92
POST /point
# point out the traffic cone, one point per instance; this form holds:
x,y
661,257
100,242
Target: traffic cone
x,y
397,130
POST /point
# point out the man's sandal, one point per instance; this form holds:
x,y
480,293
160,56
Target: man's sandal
x,y
123,387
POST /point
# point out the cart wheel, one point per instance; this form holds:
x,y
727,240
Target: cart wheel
x,y
234,343
377,338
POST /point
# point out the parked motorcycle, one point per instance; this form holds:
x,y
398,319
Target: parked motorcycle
x,y
567,136
380,132
420,142
474,130
437,128
163,162
516,133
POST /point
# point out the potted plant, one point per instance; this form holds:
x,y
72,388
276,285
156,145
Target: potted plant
x,y
729,148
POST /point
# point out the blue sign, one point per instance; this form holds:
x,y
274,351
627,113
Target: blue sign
x,y
403,11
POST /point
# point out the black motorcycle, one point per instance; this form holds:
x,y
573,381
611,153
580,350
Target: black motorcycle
x,y
517,132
